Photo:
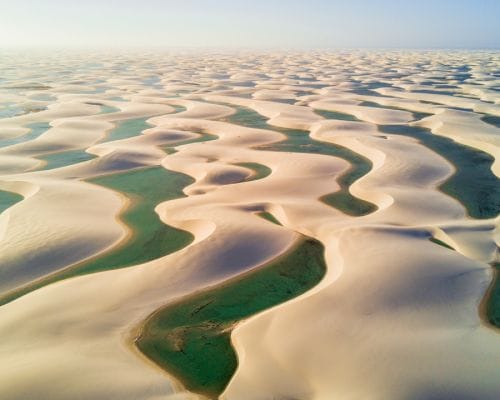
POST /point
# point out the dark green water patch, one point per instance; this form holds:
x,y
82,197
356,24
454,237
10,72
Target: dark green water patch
x,y
36,129
299,141
127,129
304,78
473,184
285,101
302,93
416,115
269,217
369,89
249,118
178,108
319,85
377,85
64,158
108,109
492,120
153,81
150,238
8,199
445,86
441,243
460,77
367,92
343,201
260,170
445,106
203,137
429,91
190,338
34,86
15,110
132,127
336,115
493,305
43,97
9,110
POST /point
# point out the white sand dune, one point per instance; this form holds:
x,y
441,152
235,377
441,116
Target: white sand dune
x,y
44,235
446,100
469,129
368,114
428,313
396,316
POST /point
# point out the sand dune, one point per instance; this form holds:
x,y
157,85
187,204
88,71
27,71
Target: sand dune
x,y
467,128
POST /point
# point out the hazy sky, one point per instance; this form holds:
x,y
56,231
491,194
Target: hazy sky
x,y
251,23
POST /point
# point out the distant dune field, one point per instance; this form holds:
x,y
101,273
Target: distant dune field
x,y
250,226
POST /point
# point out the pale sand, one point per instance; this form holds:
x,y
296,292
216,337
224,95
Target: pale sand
x,y
467,128
44,235
396,316
368,114
445,100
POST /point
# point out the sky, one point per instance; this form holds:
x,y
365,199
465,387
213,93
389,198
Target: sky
x,y
267,24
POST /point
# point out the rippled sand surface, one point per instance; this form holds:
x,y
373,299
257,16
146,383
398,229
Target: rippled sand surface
x,y
134,181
